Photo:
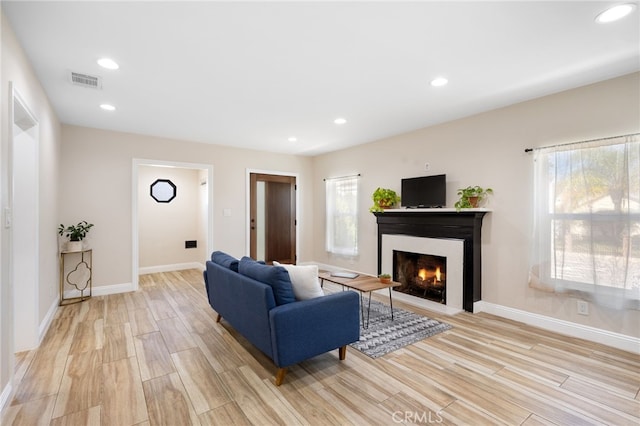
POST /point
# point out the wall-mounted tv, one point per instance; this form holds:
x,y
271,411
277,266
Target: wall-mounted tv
x,y
424,191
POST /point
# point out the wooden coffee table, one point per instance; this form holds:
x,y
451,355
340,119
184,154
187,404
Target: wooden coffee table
x,y
364,284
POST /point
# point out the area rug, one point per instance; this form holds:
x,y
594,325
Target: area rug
x,y
385,335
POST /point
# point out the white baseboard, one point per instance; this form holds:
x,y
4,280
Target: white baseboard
x,y
331,268
112,289
609,338
4,396
103,290
46,322
169,268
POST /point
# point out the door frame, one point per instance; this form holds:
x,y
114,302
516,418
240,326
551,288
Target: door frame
x,y
248,205
137,162
28,321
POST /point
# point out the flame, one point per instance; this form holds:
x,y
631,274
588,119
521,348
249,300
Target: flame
x,y
438,274
422,273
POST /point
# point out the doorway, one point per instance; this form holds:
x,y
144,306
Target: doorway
x,y
206,204
272,217
23,219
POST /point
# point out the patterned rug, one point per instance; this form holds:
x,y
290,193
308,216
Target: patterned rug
x,y
385,335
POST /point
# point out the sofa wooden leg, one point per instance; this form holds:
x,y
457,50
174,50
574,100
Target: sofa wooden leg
x,y
218,318
342,352
280,375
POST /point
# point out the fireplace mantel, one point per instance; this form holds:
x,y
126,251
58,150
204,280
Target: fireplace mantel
x,y
465,225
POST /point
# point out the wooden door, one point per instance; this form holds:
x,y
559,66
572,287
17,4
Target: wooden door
x,y
273,218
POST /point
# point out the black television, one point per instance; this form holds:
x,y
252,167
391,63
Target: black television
x,y
424,191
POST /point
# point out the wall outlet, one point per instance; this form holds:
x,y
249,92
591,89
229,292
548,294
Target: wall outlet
x,y
427,166
583,307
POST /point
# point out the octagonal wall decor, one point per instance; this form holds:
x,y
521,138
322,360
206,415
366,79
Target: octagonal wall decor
x,y
163,190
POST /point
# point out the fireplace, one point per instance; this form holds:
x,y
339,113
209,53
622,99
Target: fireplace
x,y
438,232
452,250
421,275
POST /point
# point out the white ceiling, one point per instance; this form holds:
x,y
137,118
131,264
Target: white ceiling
x,y
254,74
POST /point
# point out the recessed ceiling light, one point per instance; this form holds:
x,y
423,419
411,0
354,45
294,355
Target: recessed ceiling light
x,y
293,139
339,121
108,107
439,81
614,13
108,63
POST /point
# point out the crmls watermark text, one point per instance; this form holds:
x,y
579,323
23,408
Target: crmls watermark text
x,y
424,417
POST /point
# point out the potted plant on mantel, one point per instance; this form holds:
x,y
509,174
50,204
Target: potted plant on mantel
x,y
384,198
75,233
471,197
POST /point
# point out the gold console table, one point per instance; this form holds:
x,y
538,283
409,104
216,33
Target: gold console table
x,y
79,277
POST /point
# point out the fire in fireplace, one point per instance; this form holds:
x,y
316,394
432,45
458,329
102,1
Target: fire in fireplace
x,y
421,275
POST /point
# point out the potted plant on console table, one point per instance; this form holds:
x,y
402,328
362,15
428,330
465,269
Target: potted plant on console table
x,y
471,196
384,198
75,233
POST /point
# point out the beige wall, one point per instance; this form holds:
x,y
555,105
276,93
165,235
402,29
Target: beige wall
x,y
17,69
87,174
488,150
164,227
98,165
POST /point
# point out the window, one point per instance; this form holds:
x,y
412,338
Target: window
x,y
163,190
342,215
587,219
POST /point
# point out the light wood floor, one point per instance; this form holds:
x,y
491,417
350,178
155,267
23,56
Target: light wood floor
x,y
158,357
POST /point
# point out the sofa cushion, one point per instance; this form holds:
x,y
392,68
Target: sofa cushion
x,y
223,259
304,279
275,276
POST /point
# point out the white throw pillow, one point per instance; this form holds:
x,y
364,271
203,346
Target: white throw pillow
x,y
304,280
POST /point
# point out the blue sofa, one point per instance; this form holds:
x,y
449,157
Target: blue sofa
x,y
258,301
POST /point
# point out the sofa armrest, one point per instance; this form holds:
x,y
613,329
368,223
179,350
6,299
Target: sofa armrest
x,y
304,329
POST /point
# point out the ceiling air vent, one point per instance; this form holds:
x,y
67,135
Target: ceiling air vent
x,y
85,80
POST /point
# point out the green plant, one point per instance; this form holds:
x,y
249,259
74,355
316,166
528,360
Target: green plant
x,y
384,198
384,278
75,232
471,196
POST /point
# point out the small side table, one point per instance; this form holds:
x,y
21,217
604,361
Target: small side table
x,y
76,271
364,284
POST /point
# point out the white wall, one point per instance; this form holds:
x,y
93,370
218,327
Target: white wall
x,y
164,227
98,164
17,69
488,150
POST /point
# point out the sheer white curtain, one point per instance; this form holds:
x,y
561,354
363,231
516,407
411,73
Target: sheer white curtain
x,y
342,215
587,220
